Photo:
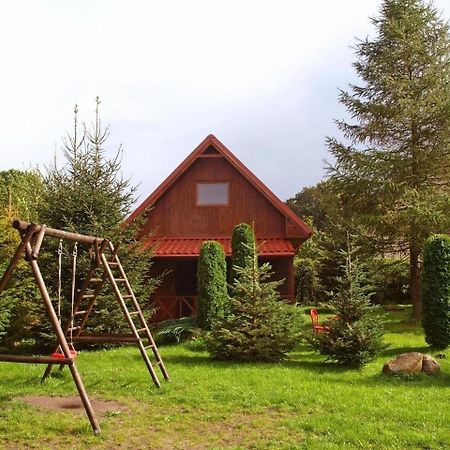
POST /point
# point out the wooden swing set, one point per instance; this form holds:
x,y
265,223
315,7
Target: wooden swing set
x,y
105,266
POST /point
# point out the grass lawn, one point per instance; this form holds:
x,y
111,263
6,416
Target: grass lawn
x,y
300,403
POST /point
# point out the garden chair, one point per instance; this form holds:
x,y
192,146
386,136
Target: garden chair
x,y
317,328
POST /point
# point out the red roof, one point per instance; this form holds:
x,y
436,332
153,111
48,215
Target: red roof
x,y
239,166
167,247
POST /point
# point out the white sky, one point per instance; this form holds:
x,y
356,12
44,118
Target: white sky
x,y
263,76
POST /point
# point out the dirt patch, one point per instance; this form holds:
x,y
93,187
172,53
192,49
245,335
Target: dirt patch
x,y
74,404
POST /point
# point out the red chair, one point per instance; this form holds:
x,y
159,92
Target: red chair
x,y
315,323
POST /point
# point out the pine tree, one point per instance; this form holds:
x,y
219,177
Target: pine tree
x,y
261,326
356,335
395,174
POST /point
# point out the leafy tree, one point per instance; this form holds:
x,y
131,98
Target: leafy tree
x,y
242,247
310,203
261,327
21,192
436,291
213,299
395,174
356,336
21,310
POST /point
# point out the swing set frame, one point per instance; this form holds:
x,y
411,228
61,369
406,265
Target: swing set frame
x,y
32,236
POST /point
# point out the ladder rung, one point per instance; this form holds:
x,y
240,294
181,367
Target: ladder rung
x,y
113,263
74,328
96,280
78,313
156,364
149,346
120,279
127,296
141,329
134,313
88,295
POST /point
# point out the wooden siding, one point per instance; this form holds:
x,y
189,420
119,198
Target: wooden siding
x,y
176,214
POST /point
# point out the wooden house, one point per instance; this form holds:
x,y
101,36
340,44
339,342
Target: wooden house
x,y
209,193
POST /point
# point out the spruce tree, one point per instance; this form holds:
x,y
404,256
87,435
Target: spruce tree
x,y
261,326
394,170
88,195
356,335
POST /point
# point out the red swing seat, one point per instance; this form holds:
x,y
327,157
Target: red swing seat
x,y
317,328
73,354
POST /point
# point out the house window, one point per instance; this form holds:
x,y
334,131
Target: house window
x,y
213,194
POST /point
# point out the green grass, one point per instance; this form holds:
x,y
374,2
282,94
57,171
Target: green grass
x,y
300,403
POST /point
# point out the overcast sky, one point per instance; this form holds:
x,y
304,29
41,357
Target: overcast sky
x,y
263,76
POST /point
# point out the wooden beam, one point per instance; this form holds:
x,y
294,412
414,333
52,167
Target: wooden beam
x,y
35,359
52,232
105,338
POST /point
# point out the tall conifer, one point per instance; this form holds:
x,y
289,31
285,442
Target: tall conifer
x,y
395,174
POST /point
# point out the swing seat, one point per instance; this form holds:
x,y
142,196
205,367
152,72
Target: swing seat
x,y
73,354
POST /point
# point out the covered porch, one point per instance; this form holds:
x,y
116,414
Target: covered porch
x,y
176,297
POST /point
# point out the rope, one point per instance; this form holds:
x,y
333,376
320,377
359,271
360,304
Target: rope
x,y
60,252
74,270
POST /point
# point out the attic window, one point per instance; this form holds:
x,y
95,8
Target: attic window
x,y
213,194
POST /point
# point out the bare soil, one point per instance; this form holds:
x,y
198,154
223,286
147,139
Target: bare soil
x,y
74,404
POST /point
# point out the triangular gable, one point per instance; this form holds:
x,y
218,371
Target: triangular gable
x,y
211,146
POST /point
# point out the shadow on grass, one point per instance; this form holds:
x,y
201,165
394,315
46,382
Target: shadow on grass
x,y
391,351
417,380
309,365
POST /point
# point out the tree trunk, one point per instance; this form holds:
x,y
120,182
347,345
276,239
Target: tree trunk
x,y
414,276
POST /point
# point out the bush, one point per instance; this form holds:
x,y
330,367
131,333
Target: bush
x,y
436,291
213,299
261,327
176,330
356,336
242,247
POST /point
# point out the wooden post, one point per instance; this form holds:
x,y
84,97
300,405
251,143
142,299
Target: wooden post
x,y
15,259
62,339
39,239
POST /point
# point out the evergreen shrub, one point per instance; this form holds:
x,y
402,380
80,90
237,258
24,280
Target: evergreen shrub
x,y
213,299
436,291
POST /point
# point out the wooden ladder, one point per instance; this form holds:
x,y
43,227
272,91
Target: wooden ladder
x,y
85,300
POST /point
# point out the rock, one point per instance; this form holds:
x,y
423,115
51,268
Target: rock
x,y
429,365
404,363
